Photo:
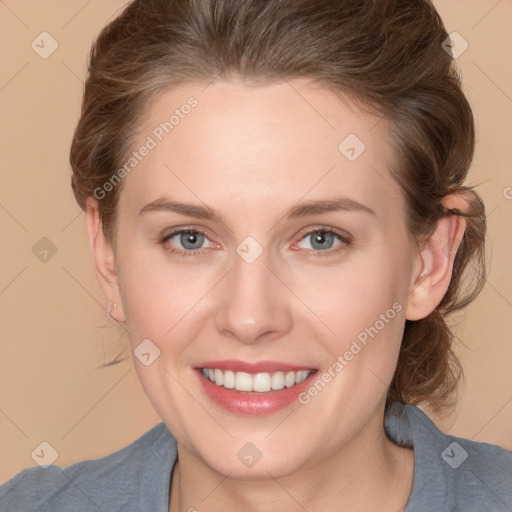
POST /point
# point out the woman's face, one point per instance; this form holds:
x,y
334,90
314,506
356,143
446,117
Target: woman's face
x,y
297,259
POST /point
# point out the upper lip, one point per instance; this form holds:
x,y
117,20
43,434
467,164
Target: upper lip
x,y
253,367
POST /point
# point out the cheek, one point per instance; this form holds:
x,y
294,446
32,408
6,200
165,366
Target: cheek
x,y
359,308
160,298
355,294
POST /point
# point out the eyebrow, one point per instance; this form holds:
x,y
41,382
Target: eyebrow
x,y
300,210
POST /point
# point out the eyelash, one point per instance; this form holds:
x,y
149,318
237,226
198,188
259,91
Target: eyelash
x,y
345,240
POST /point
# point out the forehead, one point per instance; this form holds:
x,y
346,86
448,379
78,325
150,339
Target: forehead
x,y
271,144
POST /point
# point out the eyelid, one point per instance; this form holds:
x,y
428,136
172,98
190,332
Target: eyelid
x,y
184,229
345,236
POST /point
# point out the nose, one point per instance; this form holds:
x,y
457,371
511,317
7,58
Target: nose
x,y
254,303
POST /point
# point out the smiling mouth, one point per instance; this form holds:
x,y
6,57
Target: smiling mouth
x,y
263,382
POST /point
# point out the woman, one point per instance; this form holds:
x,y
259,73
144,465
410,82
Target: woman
x,y
276,209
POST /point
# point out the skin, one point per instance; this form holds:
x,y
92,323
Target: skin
x,y
251,153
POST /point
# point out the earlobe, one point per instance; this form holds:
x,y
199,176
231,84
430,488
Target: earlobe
x,y
435,262
103,258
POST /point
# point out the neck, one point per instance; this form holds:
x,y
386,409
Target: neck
x,y
371,474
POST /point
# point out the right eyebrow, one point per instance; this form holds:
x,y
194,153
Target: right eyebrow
x,y
190,210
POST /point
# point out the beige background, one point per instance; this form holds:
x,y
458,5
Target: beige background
x,y
54,327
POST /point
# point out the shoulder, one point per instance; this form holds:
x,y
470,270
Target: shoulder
x,y
465,474
97,483
480,474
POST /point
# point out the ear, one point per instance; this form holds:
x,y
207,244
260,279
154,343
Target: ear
x,y
103,258
434,265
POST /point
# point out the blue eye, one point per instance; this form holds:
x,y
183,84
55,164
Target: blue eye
x,y
322,240
190,239
187,241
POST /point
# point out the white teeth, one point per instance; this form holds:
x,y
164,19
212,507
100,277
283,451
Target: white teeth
x,y
260,382
278,380
218,377
302,375
243,381
228,380
289,379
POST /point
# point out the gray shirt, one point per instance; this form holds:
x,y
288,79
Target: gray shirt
x,y
450,474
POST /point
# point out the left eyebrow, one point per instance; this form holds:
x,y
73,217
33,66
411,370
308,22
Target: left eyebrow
x,y
328,205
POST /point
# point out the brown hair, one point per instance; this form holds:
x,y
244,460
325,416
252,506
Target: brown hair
x,y
387,54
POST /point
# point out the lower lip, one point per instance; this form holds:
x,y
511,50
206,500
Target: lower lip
x,y
252,403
